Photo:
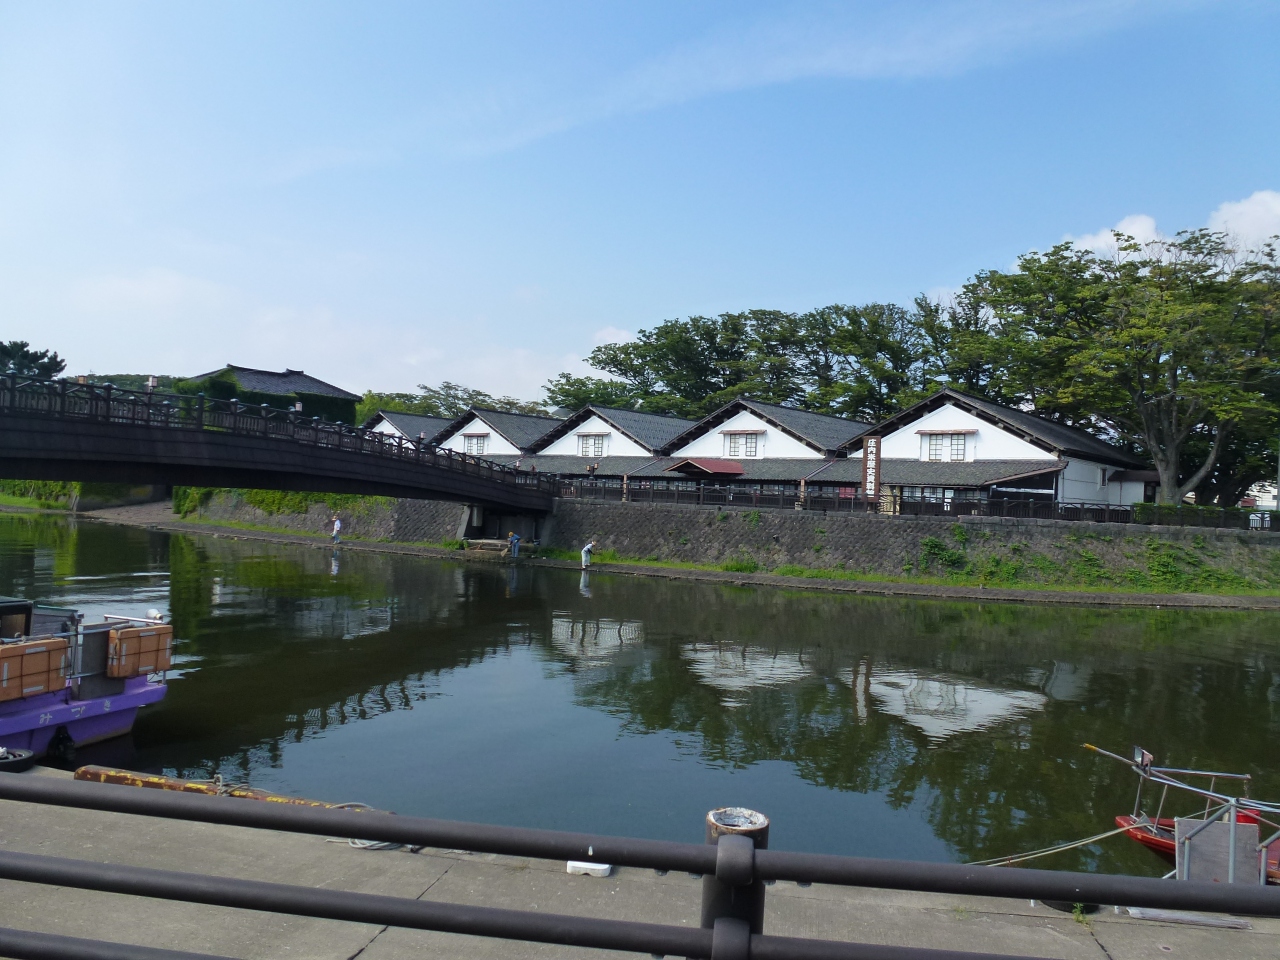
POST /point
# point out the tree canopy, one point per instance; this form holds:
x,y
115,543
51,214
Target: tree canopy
x,y
448,400
16,356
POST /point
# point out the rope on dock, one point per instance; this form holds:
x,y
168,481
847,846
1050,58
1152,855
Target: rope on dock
x,y
1046,851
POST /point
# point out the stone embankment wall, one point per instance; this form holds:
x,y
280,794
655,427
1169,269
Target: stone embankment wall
x,y
414,521
994,549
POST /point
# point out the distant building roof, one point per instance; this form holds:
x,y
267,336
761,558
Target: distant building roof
x,y
284,383
522,430
652,431
820,431
411,425
1046,434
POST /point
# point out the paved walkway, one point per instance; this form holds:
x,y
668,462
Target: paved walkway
x,y
160,516
873,916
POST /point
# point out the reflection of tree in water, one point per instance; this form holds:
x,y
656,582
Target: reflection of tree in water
x,y
1198,689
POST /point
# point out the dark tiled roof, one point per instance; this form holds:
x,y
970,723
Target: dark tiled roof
x,y
523,430
1057,436
652,431
925,473
571,466
825,434
412,425
764,470
286,383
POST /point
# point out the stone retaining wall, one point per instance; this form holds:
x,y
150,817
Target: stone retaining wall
x,y
414,521
1046,551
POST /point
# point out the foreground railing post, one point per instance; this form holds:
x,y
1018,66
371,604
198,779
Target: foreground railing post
x,y
732,897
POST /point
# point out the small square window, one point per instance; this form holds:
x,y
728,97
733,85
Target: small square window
x,y
957,446
591,445
935,446
474,446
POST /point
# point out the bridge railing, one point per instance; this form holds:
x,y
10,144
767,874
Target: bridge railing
x,y
735,866
70,399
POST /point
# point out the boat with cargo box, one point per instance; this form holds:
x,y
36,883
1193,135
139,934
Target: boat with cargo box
x,y
65,683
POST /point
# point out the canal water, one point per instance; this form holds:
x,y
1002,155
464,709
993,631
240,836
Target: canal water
x,y
517,695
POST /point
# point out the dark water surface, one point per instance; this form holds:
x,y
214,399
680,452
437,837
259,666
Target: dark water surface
x,y
922,730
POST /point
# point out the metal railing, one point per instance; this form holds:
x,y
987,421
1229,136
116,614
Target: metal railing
x,y
734,869
1182,515
69,399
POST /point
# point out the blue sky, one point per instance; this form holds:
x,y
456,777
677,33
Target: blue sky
x,y
391,194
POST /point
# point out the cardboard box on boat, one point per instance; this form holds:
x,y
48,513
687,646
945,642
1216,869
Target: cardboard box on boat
x,y
132,651
32,667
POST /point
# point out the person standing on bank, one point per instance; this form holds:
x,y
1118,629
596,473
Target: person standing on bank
x,y
513,541
586,554
337,530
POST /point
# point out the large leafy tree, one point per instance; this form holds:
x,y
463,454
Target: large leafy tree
x,y
16,356
1162,346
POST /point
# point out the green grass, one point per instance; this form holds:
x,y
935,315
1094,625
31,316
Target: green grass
x,y
31,503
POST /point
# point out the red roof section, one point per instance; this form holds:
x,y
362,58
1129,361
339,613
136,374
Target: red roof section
x,y
706,465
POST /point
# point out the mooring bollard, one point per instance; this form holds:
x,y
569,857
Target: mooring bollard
x,y
732,899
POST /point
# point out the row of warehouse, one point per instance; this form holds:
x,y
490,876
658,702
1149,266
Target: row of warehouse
x,y
950,446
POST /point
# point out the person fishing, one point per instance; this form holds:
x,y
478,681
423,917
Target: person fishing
x,y
513,541
337,530
586,554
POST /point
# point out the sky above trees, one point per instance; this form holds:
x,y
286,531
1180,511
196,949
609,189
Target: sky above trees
x,y
411,193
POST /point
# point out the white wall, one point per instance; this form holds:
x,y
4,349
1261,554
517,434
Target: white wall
x,y
989,443
1079,483
385,427
616,444
496,443
772,442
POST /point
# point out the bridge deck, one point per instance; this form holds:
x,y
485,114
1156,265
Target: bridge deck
x,y
60,430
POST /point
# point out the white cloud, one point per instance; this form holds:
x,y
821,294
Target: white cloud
x,y
828,41
611,335
156,291
1251,221
1138,225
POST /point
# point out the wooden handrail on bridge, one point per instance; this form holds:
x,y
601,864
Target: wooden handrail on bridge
x,y
71,399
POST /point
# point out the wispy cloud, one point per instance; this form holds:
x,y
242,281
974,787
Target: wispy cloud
x,y
898,41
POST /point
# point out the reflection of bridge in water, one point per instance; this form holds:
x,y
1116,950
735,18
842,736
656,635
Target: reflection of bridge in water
x,y
63,430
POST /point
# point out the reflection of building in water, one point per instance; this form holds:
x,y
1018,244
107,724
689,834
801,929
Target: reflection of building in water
x,y
1066,681
594,639
735,670
936,705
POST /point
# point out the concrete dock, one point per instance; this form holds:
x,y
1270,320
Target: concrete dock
x,y
837,913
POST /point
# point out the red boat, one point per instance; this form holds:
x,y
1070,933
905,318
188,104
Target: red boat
x,y
1157,835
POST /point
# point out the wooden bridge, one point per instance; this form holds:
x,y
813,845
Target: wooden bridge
x,y
67,430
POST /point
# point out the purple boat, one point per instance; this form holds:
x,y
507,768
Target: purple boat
x,y
99,676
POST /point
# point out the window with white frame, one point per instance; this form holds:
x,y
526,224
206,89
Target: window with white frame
x,y
941,447
591,444
743,444
475,444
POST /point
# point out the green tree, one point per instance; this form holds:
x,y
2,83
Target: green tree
x,y
1153,346
449,400
574,393
16,356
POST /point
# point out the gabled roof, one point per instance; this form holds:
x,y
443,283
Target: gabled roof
x,y
286,382
652,431
707,466
1057,438
522,430
823,433
411,425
